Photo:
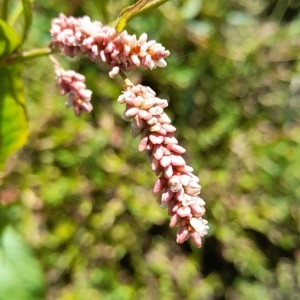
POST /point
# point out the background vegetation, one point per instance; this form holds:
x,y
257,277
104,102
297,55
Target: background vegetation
x,y
78,217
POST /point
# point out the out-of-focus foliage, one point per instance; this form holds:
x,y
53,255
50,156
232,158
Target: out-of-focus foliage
x,y
13,120
80,193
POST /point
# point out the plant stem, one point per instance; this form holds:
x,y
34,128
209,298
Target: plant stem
x,y
141,6
26,55
151,5
125,78
4,14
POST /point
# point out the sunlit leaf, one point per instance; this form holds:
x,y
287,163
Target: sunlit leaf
x,y
9,39
13,119
27,16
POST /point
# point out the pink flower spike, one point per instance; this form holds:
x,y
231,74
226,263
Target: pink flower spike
x,y
180,185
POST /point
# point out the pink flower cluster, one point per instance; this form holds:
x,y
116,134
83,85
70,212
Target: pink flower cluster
x,y
104,43
72,84
179,186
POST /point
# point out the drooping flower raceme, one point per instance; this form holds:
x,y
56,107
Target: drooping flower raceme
x,y
72,84
179,186
104,43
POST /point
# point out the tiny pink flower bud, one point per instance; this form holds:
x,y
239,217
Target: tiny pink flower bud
x,y
138,101
197,210
176,148
135,60
184,169
196,239
185,179
161,102
154,164
176,206
152,121
143,144
174,220
182,235
189,200
174,183
164,119
165,161
166,151
183,211
167,195
162,131
85,94
142,39
169,127
193,188
180,195
159,185
131,112
114,72
155,128
156,110
199,225
177,160
158,151
170,139
168,171
161,63
156,139
145,114
148,103
140,123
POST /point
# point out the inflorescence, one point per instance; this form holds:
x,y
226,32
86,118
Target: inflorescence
x,y
178,186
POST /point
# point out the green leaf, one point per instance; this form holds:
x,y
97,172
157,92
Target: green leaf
x,y
9,39
27,16
140,7
21,275
13,119
128,13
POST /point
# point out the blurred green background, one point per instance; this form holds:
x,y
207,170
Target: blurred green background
x,y
79,194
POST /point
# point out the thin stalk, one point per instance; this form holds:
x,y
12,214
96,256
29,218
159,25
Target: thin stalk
x,y
4,14
151,5
26,55
125,78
